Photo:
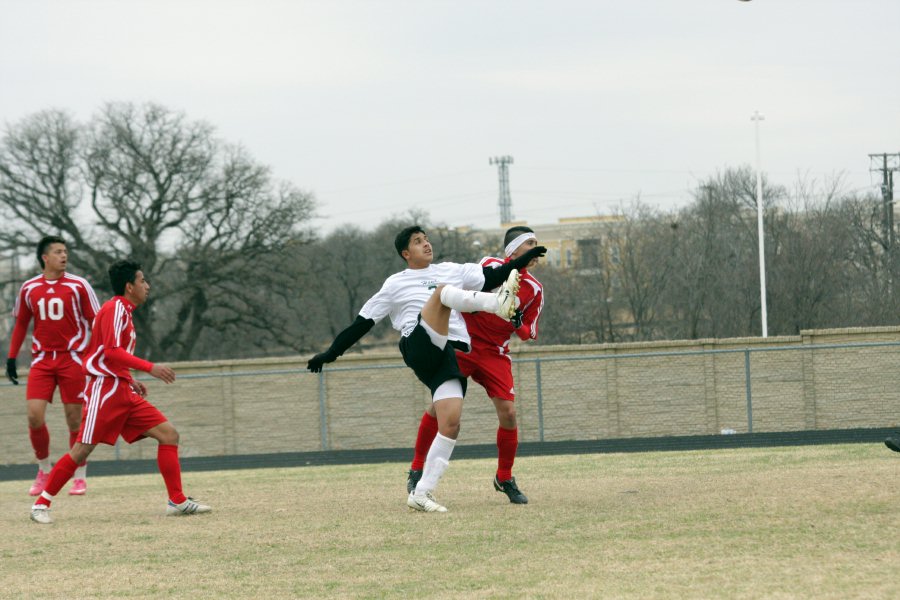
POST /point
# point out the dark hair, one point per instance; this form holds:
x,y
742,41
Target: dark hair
x,y
122,272
44,244
514,232
401,242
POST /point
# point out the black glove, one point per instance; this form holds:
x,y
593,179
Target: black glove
x,y
517,318
316,362
536,252
11,371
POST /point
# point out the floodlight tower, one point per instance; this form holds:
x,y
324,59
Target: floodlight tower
x,y
503,163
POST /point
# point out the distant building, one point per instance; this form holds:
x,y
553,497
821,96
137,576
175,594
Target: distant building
x,y
572,242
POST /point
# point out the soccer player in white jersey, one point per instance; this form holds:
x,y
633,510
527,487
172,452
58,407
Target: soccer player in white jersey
x,y
63,307
421,302
115,402
489,365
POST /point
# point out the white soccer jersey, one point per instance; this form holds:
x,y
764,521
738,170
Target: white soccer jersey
x,y
403,295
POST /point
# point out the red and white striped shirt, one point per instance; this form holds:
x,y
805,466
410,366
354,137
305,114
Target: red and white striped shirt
x,y
111,352
63,310
489,329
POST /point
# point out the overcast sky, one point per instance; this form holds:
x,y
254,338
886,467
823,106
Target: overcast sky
x,y
377,107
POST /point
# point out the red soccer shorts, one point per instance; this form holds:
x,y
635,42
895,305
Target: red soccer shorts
x,y
51,369
111,409
489,368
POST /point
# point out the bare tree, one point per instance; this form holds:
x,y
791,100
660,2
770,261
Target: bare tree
x,y
808,266
689,290
714,291
579,307
694,273
208,225
348,265
40,187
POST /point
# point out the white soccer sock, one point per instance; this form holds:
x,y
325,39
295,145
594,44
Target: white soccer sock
x,y
436,463
468,301
44,464
80,472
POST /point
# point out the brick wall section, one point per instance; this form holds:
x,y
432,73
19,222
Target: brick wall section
x,y
587,392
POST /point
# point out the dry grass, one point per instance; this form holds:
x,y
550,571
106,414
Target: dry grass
x,y
804,522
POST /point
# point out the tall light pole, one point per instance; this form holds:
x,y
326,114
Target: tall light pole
x,y
503,163
756,117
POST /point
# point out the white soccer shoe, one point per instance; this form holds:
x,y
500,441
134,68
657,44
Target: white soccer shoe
x,y
424,503
506,296
40,513
188,507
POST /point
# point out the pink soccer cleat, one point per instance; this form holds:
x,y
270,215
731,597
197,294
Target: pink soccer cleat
x,y
79,487
39,483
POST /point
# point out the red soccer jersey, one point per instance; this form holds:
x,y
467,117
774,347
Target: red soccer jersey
x,y
113,334
489,329
62,310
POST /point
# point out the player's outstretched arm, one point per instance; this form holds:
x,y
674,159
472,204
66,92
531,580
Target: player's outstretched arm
x,y
341,343
120,357
494,276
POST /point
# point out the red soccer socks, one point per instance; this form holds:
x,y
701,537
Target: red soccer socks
x,y
507,443
170,469
73,437
428,429
40,441
61,473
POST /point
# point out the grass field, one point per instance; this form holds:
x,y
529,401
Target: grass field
x,y
795,522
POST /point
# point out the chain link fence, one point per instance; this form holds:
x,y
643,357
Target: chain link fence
x,y
233,410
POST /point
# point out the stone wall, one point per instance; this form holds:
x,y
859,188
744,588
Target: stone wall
x,y
586,392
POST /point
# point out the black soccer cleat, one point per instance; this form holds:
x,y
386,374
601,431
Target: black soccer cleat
x,y
893,443
511,490
412,479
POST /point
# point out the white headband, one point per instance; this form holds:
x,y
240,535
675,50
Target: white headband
x,y
514,245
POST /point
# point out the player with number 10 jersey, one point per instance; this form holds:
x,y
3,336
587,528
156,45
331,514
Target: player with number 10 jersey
x,y
63,307
63,311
